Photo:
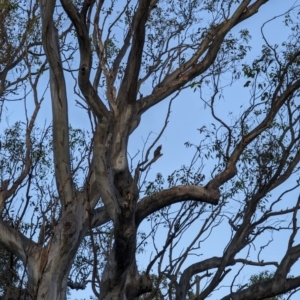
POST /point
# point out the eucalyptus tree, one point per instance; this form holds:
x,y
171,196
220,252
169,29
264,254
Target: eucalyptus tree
x,y
18,37
129,57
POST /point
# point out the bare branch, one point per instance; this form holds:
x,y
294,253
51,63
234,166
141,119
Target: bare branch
x,y
150,204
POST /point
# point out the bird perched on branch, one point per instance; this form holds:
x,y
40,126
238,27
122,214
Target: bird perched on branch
x,y
157,151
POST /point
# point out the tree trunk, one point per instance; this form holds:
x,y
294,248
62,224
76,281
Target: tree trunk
x,y
48,268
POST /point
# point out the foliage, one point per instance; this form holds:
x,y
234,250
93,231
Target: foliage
x,y
9,266
261,277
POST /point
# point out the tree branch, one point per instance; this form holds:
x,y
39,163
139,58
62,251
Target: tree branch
x,y
128,88
265,289
59,104
153,203
16,242
193,67
85,85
